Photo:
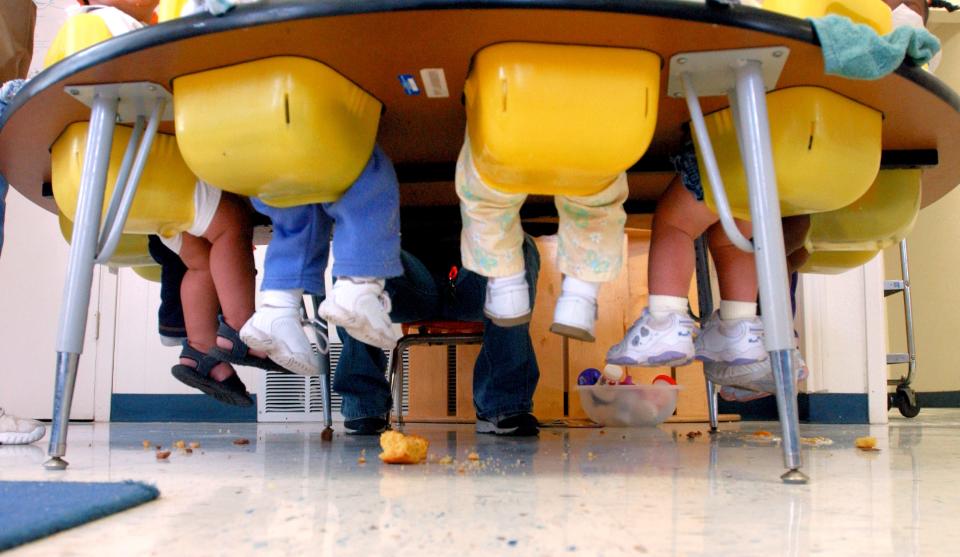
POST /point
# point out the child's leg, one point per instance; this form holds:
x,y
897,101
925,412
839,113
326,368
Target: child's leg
x,y
366,251
734,335
200,305
589,252
230,235
678,221
736,272
491,244
295,262
663,335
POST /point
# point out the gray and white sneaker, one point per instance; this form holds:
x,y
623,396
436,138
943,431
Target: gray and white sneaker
x,y
19,431
736,342
654,342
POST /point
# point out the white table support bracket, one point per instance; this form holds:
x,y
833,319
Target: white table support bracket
x,y
744,76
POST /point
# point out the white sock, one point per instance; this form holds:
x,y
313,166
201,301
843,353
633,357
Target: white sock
x,y
511,280
582,288
730,310
281,298
661,306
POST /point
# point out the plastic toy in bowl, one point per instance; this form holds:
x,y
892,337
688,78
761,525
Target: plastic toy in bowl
x,y
629,405
589,376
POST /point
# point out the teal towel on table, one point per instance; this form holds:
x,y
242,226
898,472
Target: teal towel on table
x,y
855,50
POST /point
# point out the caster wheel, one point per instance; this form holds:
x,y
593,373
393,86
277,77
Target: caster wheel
x,y
907,402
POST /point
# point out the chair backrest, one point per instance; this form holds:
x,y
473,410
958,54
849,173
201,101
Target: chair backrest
x,y
811,129
164,201
286,129
836,262
559,119
874,13
881,217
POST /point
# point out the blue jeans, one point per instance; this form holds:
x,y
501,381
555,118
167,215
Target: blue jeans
x,y
367,242
3,206
506,373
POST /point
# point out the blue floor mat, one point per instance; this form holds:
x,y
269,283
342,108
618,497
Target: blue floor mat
x,y
33,510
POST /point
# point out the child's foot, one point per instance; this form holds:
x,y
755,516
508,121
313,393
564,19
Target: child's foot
x,y
508,300
211,376
731,341
19,431
752,381
278,332
575,314
653,342
360,306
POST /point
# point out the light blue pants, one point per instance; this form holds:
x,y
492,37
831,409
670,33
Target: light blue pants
x,y
367,239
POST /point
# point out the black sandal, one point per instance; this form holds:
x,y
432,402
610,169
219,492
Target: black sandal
x,y
239,354
229,391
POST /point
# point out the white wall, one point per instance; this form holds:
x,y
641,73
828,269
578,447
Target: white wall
x,y
843,334
934,265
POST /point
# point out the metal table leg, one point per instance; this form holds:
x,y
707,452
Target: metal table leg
x,y
754,131
705,303
326,390
76,290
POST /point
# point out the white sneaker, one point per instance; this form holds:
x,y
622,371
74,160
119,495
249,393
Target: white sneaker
x,y
508,301
654,342
362,308
575,317
278,331
751,381
736,342
19,431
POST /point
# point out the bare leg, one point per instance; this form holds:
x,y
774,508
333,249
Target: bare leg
x,y
200,305
677,222
736,271
230,236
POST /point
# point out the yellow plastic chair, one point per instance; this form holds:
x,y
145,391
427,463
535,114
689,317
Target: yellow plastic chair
x,y
148,272
826,151
836,262
874,13
559,119
169,9
288,130
131,250
882,217
164,201
78,33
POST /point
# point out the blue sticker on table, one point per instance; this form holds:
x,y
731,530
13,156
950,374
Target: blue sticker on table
x,y
409,84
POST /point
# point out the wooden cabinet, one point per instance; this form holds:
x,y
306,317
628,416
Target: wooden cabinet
x,y
434,369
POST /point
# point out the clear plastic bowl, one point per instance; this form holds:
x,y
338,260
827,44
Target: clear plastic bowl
x,y
629,405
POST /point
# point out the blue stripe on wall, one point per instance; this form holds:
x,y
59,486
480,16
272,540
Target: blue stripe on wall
x,y
177,408
945,399
815,408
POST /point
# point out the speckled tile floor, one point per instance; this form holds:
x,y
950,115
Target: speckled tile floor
x,y
573,491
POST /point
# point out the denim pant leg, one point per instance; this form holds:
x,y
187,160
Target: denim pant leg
x,y
506,373
3,206
366,242
298,250
172,270
360,376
